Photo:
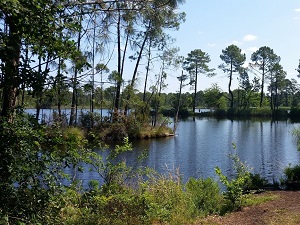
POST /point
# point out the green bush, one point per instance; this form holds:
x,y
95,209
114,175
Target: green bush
x,y
33,158
261,112
292,173
115,132
165,200
205,196
296,134
89,119
237,185
295,113
133,127
256,182
292,177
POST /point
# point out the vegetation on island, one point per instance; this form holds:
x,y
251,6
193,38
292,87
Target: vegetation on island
x,y
55,54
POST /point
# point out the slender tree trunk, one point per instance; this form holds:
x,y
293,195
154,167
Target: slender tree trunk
x,y
59,84
25,68
160,83
147,72
135,72
276,95
38,93
93,74
178,104
229,86
119,80
195,91
262,86
73,114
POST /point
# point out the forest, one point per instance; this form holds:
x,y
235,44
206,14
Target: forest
x,y
59,55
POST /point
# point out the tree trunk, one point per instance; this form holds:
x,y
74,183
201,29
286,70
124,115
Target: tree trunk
x,y
119,80
178,104
229,86
147,72
11,72
262,85
9,95
59,84
135,72
73,114
195,91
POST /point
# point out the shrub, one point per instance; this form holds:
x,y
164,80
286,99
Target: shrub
x,y
237,185
165,200
261,112
133,127
89,119
204,195
256,182
115,132
292,173
295,113
30,174
292,180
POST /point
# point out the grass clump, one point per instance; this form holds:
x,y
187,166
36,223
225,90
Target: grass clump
x,y
165,199
205,196
258,199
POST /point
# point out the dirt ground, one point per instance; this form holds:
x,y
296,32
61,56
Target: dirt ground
x,y
284,209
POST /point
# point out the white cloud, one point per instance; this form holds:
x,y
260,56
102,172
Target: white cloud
x,y
297,10
200,32
237,43
243,51
211,45
252,49
246,64
249,37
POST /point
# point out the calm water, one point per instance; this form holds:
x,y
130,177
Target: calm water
x,y
204,143
201,145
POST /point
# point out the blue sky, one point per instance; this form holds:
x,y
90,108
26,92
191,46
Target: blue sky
x,y
212,25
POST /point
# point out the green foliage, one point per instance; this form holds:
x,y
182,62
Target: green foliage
x,y
95,208
295,112
115,132
205,196
165,200
256,182
259,199
32,162
261,112
89,119
236,185
133,126
213,98
292,173
292,177
251,112
296,134
32,173
279,113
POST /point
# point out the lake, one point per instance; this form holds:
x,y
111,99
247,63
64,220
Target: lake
x,y
201,144
204,143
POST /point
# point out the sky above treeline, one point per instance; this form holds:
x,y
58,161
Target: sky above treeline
x,y
212,25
